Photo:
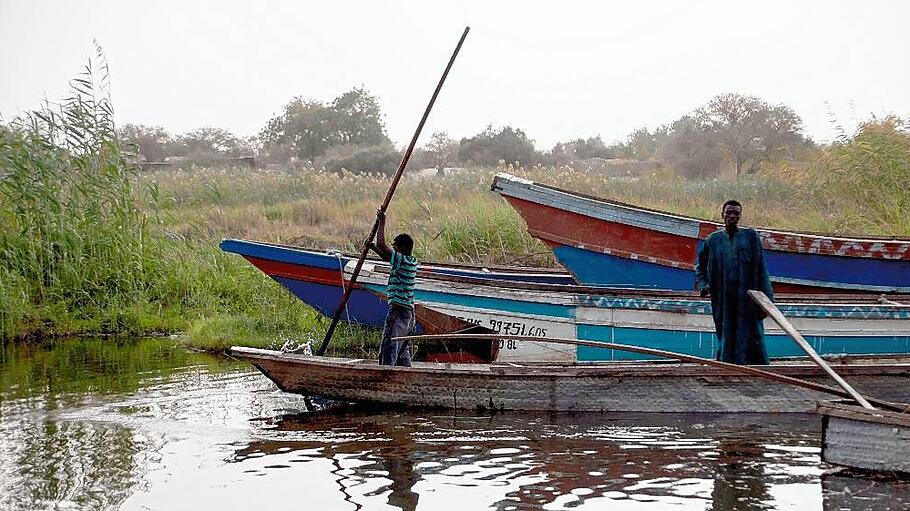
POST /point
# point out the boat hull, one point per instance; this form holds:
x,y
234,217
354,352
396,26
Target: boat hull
x,y
674,321
867,439
317,278
606,243
678,323
574,388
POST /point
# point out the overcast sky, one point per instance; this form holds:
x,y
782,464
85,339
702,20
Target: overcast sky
x,y
558,70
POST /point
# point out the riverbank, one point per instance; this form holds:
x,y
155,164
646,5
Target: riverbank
x,y
87,249
187,286
208,299
93,246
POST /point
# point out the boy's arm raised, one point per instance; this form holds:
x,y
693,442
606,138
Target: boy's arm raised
x,y
380,247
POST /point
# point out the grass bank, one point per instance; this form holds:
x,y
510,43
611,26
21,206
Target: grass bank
x,y
84,250
91,246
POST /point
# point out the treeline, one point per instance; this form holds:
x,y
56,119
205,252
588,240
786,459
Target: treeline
x,y
732,133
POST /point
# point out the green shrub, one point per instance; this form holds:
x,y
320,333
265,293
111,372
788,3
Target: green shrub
x,y
865,181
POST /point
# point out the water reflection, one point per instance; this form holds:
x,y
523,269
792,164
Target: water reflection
x,y
559,461
847,489
397,463
96,424
739,483
49,463
66,465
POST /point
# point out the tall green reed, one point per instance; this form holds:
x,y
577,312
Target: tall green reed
x,y
73,236
864,181
84,250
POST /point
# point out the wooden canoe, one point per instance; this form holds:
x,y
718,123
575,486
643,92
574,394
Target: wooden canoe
x,y
318,279
603,242
521,301
602,387
855,437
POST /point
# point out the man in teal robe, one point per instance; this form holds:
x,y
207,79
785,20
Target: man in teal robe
x,y
730,263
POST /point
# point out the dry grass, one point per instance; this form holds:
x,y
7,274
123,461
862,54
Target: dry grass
x,y
455,217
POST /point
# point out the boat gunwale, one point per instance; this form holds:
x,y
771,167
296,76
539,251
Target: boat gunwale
x,y
523,270
846,410
803,299
858,299
640,369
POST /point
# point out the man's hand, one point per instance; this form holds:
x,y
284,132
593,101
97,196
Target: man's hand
x,y
380,215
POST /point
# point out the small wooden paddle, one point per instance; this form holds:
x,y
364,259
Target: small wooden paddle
x,y
768,306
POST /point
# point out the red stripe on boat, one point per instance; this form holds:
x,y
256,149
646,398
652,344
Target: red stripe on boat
x,y
603,236
297,271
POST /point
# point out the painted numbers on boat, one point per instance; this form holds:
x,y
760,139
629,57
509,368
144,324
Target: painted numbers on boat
x,y
516,328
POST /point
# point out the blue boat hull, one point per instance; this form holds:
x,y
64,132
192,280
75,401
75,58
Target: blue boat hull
x,y
608,243
600,269
675,324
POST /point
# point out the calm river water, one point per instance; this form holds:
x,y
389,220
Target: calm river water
x,y
104,424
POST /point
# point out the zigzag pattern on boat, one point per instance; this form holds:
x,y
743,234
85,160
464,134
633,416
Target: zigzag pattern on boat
x,y
790,310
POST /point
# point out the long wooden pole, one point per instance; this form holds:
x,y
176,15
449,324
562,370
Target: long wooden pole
x,y
682,357
388,198
768,306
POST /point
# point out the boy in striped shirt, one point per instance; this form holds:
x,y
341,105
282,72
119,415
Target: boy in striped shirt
x,y
400,294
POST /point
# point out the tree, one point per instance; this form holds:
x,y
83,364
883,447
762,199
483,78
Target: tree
x,y
151,143
592,147
783,134
749,129
441,149
208,143
305,128
690,149
202,140
577,150
583,149
491,146
358,119
382,158
308,128
642,144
